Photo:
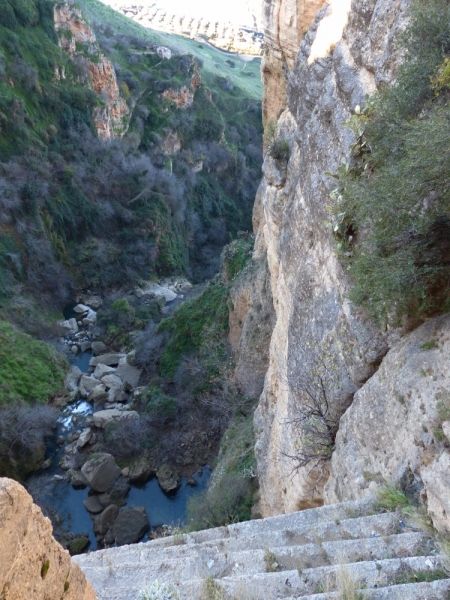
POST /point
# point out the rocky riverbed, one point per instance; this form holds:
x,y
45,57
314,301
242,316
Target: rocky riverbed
x,y
86,490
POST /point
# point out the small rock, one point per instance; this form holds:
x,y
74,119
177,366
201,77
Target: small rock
x,y
87,384
141,470
126,472
106,359
84,438
58,477
99,347
98,394
85,346
74,349
77,479
116,395
94,302
46,464
446,429
192,482
93,505
168,478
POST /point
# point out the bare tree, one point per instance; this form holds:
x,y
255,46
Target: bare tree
x,y
319,401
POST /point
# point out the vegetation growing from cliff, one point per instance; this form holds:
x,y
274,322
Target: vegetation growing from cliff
x,y
393,201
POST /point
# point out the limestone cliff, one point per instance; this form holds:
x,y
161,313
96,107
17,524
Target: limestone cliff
x,y
77,38
32,564
349,51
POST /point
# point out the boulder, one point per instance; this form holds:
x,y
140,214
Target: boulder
x,y
119,491
74,349
80,308
98,394
84,438
101,472
168,478
85,346
99,347
72,380
93,301
130,525
87,384
103,417
116,395
102,370
141,470
93,505
128,373
106,359
111,380
155,290
164,53
105,520
73,326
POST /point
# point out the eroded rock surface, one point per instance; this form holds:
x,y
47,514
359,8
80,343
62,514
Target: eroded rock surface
x,y
308,284
389,432
32,563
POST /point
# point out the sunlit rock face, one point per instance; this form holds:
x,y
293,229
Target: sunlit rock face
x,y
109,119
32,563
309,286
285,23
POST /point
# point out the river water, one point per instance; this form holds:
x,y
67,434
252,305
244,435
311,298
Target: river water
x,y
162,508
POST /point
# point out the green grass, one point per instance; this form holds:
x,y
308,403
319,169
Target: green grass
x,y
29,370
390,498
190,322
214,62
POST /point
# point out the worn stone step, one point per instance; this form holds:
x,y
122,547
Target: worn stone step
x,y
372,526
202,561
434,590
310,581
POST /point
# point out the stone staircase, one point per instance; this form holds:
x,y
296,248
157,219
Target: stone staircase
x,y
310,555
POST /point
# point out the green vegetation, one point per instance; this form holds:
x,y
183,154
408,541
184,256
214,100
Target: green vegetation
x,y
29,370
280,151
45,568
390,498
419,576
393,199
430,345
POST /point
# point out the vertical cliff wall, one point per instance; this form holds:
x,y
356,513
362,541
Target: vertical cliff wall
x,y
349,51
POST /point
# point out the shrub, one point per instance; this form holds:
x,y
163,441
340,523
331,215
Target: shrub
x,y
8,16
393,201
128,438
23,432
280,151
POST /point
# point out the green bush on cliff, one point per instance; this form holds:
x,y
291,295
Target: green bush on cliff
x,y
393,200
29,370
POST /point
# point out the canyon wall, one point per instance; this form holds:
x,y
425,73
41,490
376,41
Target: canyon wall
x,y
77,38
349,51
32,564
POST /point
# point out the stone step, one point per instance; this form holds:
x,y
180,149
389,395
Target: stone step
x,y
372,526
202,561
303,520
433,590
310,581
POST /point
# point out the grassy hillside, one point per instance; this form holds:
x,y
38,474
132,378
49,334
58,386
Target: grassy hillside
x,y
214,62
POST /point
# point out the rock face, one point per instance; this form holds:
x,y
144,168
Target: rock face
x,y
308,283
285,22
32,563
110,118
389,432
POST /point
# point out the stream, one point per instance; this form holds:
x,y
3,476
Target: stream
x,y
56,492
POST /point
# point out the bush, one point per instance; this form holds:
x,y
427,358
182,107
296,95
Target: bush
x,y
8,16
23,432
280,151
227,502
393,201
